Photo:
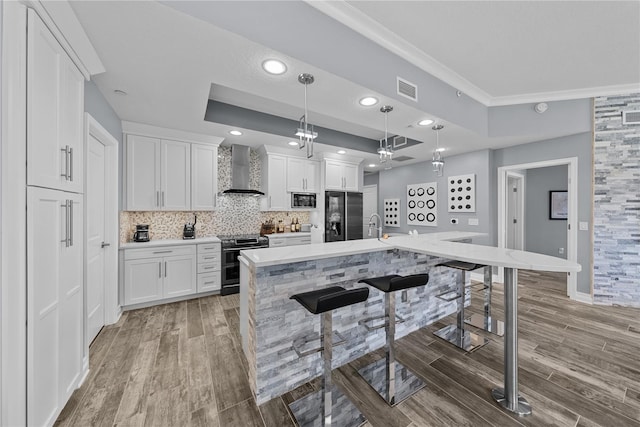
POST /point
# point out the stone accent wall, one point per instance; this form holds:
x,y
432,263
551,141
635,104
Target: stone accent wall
x,y
234,214
277,323
616,222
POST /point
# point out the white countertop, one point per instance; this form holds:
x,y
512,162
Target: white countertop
x,y
437,244
168,242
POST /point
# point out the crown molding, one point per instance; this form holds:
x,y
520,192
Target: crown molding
x,y
565,95
347,15
143,129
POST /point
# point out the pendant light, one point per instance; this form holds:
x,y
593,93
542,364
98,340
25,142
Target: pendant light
x,y
305,132
385,151
437,161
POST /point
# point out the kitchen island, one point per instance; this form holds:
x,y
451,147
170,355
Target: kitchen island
x,y
271,324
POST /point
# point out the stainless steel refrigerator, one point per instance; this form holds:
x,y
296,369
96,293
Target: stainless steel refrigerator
x,y
342,216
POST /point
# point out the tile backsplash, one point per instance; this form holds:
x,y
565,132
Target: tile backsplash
x,y
235,214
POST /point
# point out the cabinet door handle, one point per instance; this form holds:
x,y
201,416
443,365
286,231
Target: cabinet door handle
x,y
157,198
162,252
70,222
65,150
210,282
163,199
66,224
104,245
159,269
269,201
209,257
165,269
70,163
208,268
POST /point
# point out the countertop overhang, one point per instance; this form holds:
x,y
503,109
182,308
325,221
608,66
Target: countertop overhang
x,y
437,244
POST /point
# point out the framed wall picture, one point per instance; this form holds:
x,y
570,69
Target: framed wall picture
x,y
558,206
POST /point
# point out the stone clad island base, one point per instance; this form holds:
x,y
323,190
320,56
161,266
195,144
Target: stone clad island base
x,y
271,324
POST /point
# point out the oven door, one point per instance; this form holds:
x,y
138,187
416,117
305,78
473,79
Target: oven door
x,y
230,266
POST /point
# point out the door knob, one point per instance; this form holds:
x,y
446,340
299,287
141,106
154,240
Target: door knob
x,y
105,244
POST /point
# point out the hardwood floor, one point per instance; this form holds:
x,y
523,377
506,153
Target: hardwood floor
x,y
181,364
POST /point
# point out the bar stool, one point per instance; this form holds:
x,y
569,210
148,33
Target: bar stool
x,y
455,333
390,379
316,405
485,321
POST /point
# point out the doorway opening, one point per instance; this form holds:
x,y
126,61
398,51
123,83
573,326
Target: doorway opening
x,y
369,207
511,203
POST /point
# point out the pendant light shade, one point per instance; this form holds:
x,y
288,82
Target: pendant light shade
x,y
436,160
385,151
305,132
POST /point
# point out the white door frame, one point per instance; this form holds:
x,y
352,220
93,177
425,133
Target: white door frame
x,y
112,310
521,198
572,221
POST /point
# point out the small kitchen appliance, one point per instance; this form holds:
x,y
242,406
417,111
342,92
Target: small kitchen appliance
x,y
189,231
142,233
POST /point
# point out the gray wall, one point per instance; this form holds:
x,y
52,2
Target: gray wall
x,y
96,105
543,235
393,183
580,146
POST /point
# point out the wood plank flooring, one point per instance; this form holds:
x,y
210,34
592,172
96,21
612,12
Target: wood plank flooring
x,y
181,364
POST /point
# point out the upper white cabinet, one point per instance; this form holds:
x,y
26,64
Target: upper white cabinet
x,y
342,176
302,175
204,176
55,105
274,183
158,174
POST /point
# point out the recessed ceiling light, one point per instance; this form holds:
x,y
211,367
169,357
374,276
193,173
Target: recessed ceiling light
x,y
342,152
273,66
292,143
368,101
425,122
372,165
119,92
235,132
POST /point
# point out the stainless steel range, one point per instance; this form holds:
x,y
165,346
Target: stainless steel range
x,y
231,247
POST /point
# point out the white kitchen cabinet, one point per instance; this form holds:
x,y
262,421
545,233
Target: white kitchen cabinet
x,y
159,273
342,176
55,105
302,175
274,183
276,241
158,174
209,258
204,176
55,301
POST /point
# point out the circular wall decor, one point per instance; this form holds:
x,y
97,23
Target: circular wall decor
x,y
431,203
421,201
421,204
431,217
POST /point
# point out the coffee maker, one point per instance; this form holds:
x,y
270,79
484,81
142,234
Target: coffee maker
x,y
189,231
142,233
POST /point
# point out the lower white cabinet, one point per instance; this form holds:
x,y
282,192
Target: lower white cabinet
x,y
290,240
54,301
159,273
209,257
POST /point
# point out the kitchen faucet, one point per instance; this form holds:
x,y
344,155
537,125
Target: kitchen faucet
x,y
371,224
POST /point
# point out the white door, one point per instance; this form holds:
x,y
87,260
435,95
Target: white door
x,y
95,237
369,207
515,211
175,176
179,276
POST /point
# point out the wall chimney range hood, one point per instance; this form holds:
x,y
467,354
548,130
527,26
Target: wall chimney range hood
x,y
240,167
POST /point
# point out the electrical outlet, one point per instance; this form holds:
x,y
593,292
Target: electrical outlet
x,y
404,297
473,221
561,251
454,221
583,226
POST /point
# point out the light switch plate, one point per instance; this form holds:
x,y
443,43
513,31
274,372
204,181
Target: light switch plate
x,y
583,226
473,221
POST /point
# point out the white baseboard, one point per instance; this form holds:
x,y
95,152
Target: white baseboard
x,y
583,298
85,370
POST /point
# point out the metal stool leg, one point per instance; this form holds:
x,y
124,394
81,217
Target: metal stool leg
x,y
329,406
390,379
455,333
487,322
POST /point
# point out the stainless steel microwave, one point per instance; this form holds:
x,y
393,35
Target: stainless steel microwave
x,y
303,200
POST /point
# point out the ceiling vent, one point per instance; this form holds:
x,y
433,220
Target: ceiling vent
x,y
407,89
631,117
402,158
399,141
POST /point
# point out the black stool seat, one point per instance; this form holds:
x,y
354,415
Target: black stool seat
x,y
461,265
395,282
330,298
